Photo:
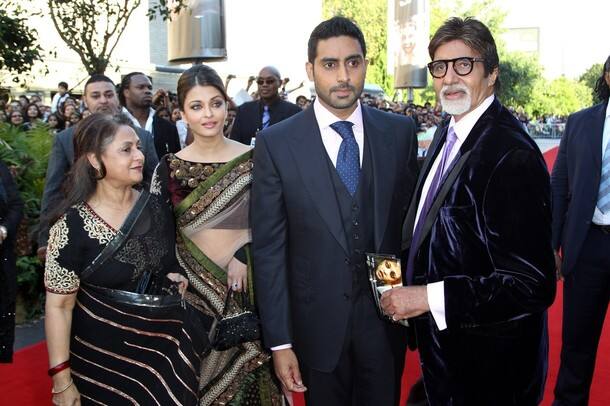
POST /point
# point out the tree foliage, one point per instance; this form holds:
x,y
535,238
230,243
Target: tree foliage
x,y
92,28
589,79
518,75
561,97
19,49
371,17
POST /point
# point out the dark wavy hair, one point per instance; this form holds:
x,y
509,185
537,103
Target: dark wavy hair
x,y
602,90
92,135
475,35
199,75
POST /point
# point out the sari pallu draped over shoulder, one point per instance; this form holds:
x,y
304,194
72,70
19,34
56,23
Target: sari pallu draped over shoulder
x,y
212,223
136,343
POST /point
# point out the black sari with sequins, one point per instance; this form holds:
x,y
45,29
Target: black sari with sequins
x,y
133,340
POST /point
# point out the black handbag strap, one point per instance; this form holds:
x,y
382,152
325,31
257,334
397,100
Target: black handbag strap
x,y
244,298
119,238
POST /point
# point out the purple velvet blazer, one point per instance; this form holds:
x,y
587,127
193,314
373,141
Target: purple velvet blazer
x,y
488,237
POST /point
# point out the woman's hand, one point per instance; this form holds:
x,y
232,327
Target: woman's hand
x,y
70,397
182,282
237,275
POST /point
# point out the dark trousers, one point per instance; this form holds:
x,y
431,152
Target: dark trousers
x,y
586,292
370,366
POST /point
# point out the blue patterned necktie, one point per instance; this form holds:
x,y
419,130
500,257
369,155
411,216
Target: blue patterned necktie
x,y
603,198
266,117
434,185
348,159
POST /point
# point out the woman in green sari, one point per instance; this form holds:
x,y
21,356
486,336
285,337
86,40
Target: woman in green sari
x,y
208,185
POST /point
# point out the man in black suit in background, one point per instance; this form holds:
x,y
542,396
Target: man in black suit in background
x,y
581,231
269,109
136,98
331,184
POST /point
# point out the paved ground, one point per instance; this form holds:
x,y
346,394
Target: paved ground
x,y
29,333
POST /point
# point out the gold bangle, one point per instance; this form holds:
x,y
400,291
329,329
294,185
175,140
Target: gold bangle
x,y
54,392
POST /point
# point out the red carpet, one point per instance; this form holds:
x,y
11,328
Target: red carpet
x,y
25,382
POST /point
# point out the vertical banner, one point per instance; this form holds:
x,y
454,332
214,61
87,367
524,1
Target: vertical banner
x,y
408,38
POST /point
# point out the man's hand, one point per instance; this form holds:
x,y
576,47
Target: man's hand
x,y
287,370
405,302
160,98
558,266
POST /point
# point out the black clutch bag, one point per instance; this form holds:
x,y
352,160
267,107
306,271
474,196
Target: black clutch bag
x,y
237,328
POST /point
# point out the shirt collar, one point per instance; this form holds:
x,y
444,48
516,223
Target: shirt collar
x,y
325,118
463,127
135,121
608,109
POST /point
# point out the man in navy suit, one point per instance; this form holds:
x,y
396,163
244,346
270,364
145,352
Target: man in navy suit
x,y
581,233
480,265
269,109
330,184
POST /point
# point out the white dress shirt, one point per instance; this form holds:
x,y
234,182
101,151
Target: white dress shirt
x,y
149,121
599,217
332,141
58,99
436,290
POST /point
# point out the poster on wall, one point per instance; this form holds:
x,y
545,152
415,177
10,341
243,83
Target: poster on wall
x,y
408,37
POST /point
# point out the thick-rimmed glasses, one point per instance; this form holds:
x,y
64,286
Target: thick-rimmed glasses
x,y
462,66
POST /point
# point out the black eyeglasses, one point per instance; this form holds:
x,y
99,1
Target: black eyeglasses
x,y
268,81
462,66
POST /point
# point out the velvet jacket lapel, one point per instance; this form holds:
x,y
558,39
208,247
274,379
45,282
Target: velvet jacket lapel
x,y
484,125
311,158
381,141
433,150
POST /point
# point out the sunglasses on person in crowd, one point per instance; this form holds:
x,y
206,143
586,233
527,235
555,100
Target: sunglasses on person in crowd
x,y
268,81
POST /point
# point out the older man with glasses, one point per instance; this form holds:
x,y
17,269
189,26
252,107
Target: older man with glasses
x,y
269,109
479,262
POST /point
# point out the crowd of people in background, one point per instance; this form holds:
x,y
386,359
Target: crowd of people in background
x,y
26,112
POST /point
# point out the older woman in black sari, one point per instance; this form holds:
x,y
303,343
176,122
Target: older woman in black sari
x,y
117,331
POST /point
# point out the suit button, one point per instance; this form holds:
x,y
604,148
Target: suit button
x,y
347,261
354,207
356,237
356,223
346,296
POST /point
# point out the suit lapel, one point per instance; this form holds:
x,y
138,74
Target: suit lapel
x,y
381,142
439,200
482,126
433,150
596,129
311,159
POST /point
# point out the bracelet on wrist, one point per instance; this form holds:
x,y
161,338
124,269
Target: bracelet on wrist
x,y
57,392
58,368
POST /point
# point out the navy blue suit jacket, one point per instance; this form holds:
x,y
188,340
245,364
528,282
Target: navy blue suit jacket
x,y
302,277
575,181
